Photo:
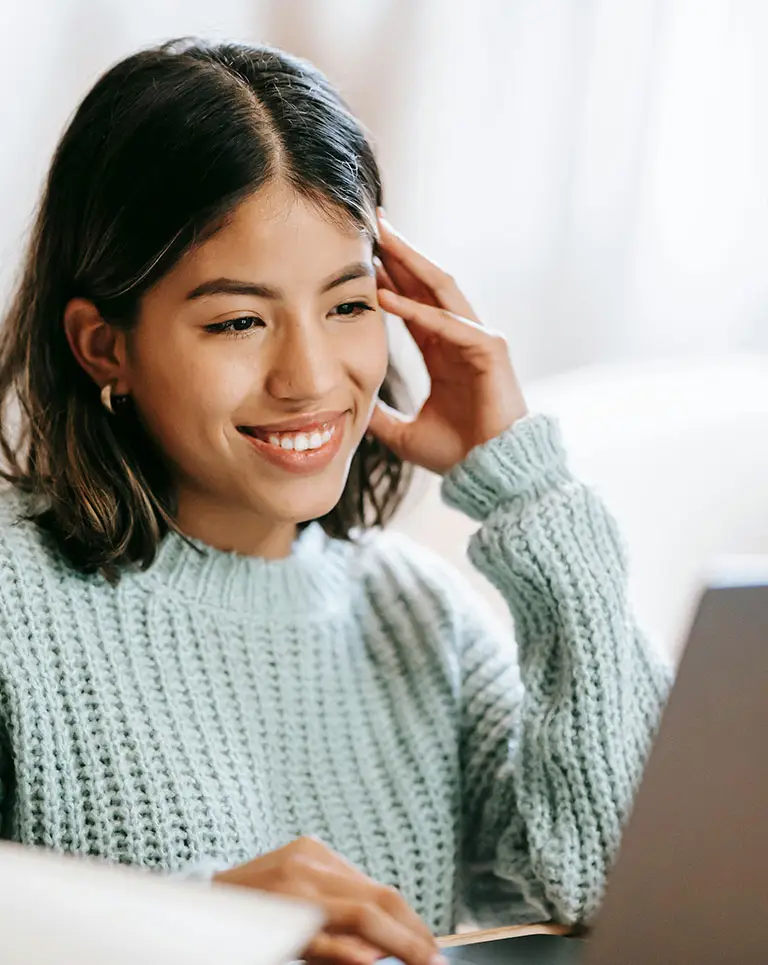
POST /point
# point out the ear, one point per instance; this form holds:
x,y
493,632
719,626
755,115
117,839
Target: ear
x,y
98,346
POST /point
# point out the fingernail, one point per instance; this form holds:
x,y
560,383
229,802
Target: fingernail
x,y
438,960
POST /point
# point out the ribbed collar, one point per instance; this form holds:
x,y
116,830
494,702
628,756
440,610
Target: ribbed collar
x,y
311,580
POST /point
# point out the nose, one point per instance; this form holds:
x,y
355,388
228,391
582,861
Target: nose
x,y
304,367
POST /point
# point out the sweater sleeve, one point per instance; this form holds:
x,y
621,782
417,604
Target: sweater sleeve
x,y
551,758
201,872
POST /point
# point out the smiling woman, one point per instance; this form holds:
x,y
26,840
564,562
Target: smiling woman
x,y
212,661
272,319
243,223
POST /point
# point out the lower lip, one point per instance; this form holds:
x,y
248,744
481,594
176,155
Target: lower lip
x,y
301,463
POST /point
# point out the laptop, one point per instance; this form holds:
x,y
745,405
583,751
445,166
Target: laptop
x,y
690,884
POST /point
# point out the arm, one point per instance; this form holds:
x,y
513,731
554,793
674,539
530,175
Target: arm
x,y
549,770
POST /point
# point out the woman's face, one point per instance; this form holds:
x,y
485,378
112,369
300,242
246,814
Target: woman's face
x,y
255,364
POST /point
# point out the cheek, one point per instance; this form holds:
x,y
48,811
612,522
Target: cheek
x,y
367,355
184,383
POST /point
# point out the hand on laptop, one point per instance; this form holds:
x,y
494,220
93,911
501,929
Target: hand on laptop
x,y
365,921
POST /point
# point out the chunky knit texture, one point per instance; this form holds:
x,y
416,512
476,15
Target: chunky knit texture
x,y
216,706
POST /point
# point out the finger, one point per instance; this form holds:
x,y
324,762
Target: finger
x,y
395,905
389,426
321,855
324,872
446,291
369,922
339,875
406,283
328,949
383,278
423,320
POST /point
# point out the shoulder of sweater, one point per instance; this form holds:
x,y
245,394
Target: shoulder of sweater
x,y
24,558
420,593
391,563
386,550
19,535
27,554
406,594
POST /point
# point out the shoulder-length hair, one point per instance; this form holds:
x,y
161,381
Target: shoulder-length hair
x,y
163,147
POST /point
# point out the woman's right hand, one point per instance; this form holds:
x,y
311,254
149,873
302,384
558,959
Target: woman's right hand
x,y
365,921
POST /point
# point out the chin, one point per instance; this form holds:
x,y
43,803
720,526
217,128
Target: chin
x,y
303,508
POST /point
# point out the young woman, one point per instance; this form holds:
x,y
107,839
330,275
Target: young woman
x,y
212,660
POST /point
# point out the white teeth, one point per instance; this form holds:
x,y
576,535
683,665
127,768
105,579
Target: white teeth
x,y
301,441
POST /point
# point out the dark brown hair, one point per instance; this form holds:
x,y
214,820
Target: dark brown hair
x,y
165,145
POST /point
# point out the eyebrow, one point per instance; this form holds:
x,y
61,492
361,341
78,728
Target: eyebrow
x,y
231,286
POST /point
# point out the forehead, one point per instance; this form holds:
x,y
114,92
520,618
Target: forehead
x,y
279,238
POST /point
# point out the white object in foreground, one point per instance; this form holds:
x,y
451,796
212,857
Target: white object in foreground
x,y
66,911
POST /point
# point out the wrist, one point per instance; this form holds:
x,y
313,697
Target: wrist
x,y
206,871
517,466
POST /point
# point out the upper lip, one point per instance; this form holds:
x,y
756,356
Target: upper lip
x,y
298,423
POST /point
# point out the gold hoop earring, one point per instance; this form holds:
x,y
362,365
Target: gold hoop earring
x,y
106,398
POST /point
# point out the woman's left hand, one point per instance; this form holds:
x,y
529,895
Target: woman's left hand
x,y
474,394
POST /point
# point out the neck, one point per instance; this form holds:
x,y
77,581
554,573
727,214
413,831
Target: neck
x,y
231,529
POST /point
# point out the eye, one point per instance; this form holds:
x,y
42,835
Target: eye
x,y
236,326
352,309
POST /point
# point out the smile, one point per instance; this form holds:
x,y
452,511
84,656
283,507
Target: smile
x,y
306,450
297,441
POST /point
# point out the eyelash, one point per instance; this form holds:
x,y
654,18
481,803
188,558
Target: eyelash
x,y
225,328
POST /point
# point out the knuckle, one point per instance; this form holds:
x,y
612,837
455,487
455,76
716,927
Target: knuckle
x,y
364,916
300,859
307,845
295,861
290,870
318,948
416,951
498,343
389,898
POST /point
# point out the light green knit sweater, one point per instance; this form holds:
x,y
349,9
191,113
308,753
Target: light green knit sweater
x,y
217,706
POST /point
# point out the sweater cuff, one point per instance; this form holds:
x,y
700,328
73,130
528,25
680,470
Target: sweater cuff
x,y
201,871
520,465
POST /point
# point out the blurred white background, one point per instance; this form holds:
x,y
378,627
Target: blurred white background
x,y
594,172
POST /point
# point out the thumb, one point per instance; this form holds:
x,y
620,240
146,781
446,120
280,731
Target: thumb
x,y
389,426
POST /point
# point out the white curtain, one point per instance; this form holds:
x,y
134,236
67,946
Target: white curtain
x,y
594,172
